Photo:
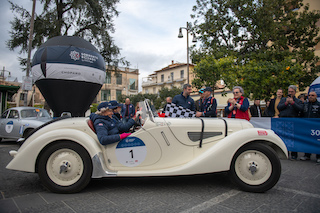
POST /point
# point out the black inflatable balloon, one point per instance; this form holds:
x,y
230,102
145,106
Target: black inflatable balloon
x,y
69,72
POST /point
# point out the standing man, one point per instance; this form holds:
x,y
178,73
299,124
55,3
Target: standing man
x,y
290,107
184,98
209,106
255,109
273,107
168,101
127,110
198,103
311,109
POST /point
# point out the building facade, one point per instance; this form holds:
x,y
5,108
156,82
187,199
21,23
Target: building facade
x,y
174,75
123,82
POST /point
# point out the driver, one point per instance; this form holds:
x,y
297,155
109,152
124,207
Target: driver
x,y
109,130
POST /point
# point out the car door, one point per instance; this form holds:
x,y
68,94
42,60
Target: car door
x,y
12,125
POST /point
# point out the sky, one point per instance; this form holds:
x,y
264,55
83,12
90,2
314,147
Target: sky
x,y
146,33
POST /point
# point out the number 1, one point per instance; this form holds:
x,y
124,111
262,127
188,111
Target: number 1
x,y
131,153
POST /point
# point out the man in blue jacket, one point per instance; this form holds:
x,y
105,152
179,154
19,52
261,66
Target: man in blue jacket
x,y
108,128
184,98
290,107
127,110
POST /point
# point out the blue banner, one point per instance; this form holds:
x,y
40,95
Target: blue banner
x,y
299,134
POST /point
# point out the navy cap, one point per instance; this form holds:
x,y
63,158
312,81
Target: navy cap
x,y
201,91
207,89
115,103
106,105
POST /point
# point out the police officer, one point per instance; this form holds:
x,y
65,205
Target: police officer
x,y
209,104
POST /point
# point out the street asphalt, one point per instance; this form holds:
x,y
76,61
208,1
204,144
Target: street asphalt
x,y
298,190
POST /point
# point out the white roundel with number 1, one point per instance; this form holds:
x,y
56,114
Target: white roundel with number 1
x,y
131,151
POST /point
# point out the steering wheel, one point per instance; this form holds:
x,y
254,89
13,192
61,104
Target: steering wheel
x,y
136,124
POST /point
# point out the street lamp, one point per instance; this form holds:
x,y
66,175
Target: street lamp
x,y
188,29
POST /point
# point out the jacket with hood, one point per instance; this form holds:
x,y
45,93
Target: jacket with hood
x,y
109,129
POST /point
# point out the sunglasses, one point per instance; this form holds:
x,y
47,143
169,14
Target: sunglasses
x,y
236,92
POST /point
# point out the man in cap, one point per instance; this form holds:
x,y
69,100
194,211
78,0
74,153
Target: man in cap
x,y
109,130
198,103
209,106
116,111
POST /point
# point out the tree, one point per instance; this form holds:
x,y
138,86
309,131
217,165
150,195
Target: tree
x,y
267,34
91,20
216,68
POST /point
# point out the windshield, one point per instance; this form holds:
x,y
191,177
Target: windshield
x,y
34,113
148,110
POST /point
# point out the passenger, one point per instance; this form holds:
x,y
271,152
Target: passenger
x,y
238,106
108,128
116,111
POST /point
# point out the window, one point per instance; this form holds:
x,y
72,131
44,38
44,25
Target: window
x,y
162,78
118,94
13,114
181,73
154,90
105,95
119,79
172,76
22,96
132,84
108,78
4,115
147,91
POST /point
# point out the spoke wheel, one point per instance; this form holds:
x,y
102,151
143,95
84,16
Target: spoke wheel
x,y
255,168
65,167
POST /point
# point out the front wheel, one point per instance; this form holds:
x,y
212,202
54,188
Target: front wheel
x,y
65,167
255,168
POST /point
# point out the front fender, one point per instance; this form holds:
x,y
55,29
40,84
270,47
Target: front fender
x,y
26,157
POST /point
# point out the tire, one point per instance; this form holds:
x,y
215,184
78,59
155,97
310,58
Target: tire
x,y
27,132
255,168
65,167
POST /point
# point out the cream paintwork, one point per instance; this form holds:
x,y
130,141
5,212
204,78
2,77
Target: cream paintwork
x,y
169,150
29,151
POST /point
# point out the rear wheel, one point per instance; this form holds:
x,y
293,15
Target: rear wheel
x,y
65,167
255,168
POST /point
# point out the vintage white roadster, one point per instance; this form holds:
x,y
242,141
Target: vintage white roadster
x,y
66,153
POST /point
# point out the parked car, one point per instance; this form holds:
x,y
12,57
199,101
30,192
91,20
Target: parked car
x,y
67,154
18,122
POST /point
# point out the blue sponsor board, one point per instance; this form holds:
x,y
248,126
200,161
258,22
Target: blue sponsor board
x,y
299,134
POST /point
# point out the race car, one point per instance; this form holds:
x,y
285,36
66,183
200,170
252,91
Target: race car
x,y
66,153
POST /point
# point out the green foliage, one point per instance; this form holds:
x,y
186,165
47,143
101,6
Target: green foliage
x,y
209,70
252,42
261,79
94,107
91,20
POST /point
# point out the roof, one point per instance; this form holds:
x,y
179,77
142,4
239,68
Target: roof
x,y
171,66
9,88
